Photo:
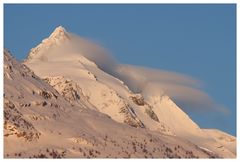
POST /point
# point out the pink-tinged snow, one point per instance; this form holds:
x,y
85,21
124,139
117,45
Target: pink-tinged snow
x,y
98,90
40,123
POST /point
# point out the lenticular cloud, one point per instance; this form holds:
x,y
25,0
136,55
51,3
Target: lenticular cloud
x,y
184,89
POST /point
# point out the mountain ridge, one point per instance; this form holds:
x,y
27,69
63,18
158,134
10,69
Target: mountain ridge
x,y
81,83
37,117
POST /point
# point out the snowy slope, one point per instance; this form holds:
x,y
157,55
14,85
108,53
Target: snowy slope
x,y
184,127
40,123
83,83
223,138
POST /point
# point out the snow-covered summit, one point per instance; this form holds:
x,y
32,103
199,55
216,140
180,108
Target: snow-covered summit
x,y
59,33
58,37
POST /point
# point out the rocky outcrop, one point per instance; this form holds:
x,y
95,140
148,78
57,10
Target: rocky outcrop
x,y
16,125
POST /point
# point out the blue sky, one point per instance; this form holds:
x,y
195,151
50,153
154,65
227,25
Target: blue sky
x,y
197,40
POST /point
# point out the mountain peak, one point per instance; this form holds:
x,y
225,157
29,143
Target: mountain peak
x,y
59,32
60,29
58,37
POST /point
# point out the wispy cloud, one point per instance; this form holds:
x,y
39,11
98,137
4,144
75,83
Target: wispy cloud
x,y
183,89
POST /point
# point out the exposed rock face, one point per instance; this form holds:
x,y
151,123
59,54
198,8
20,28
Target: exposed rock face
x,y
152,114
130,117
16,125
139,100
67,88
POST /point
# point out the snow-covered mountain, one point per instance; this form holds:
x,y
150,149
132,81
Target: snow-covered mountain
x,y
78,85
39,122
